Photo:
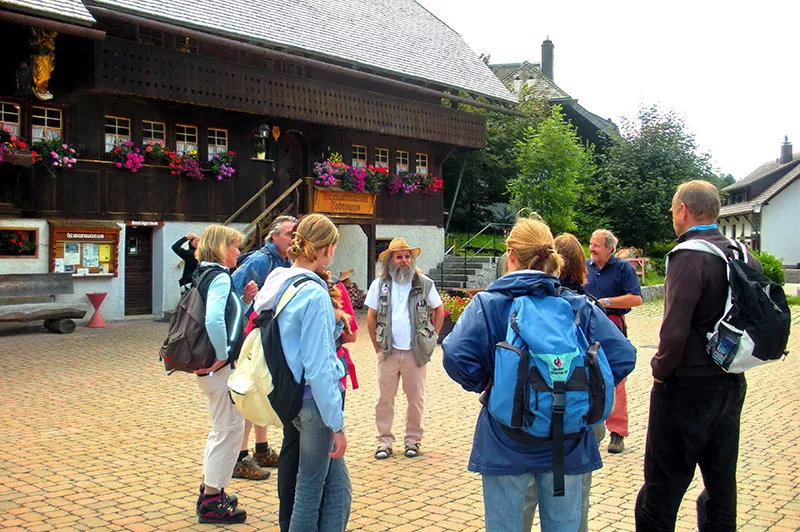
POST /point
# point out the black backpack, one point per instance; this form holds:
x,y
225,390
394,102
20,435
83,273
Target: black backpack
x,y
286,397
754,328
187,347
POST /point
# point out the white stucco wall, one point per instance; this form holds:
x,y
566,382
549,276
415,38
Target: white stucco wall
x,y
113,307
780,225
167,266
351,251
428,237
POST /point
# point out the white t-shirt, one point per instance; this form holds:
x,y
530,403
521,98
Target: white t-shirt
x,y
401,321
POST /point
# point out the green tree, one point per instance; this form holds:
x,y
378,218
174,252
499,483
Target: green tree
x,y
647,161
553,163
488,171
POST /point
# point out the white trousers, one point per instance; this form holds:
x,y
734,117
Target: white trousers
x,y
227,429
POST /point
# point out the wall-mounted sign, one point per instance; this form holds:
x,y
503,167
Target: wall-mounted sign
x,y
144,223
344,203
86,236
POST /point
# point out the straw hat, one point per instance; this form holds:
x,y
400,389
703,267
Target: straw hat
x,y
345,275
398,244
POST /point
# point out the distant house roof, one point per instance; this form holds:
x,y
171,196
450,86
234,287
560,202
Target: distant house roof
x,y
767,169
66,10
763,198
517,75
397,37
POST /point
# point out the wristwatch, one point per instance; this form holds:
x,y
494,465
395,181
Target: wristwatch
x,y
606,302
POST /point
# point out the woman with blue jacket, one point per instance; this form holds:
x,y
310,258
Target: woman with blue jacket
x,y
513,472
308,327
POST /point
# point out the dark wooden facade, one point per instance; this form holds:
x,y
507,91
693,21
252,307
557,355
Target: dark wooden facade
x,y
221,88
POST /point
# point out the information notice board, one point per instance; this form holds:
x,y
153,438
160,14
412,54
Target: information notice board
x,y
84,250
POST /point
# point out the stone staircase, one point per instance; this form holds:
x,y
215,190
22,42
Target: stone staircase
x,y
456,272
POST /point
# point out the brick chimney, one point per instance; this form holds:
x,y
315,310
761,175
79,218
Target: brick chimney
x,y
786,150
547,58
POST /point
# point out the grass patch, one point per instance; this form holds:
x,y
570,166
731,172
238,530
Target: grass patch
x,y
651,278
793,300
482,241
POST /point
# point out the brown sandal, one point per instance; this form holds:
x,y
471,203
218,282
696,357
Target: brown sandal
x,y
383,453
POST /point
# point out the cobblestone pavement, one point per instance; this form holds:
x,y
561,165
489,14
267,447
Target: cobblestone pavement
x,y
93,435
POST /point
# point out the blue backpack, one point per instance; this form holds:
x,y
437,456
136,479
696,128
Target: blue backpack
x,y
549,383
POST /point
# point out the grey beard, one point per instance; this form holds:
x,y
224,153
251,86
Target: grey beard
x,y
402,276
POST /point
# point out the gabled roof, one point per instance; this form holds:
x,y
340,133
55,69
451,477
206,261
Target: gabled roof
x,y
530,74
65,10
397,37
770,168
763,198
507,71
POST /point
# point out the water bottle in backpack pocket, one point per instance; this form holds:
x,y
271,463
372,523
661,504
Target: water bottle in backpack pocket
x,y
549,383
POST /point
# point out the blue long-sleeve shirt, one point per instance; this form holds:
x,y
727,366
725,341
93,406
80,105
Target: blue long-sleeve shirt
x,y
223,335
258,265
307,326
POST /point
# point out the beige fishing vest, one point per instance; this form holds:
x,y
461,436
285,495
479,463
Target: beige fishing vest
x,y
423,334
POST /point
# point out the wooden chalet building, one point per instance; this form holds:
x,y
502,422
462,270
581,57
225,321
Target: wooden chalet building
x,y
374,80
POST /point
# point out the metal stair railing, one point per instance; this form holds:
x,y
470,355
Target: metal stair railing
x,y
452,251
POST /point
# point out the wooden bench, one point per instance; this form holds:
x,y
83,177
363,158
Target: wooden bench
x,y
639,265
31,297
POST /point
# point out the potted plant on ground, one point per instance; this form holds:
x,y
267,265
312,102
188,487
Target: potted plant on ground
x,y
453,307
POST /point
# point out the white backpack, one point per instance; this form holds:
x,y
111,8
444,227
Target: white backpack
x,y
251,382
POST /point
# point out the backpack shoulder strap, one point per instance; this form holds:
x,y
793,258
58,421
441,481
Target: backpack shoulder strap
x,y
289,293
698,245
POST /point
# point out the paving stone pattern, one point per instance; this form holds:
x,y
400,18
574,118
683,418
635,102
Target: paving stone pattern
x,y
94,436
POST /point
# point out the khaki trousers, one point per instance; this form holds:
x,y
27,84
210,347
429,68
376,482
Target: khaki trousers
x,y
227,429
390,369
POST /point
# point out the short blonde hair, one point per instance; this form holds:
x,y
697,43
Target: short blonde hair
x,y
215,241
532,242
701,199
570,249
314,233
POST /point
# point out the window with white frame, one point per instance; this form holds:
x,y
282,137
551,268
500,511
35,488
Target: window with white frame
x,y
45,124
118,130
217,142
185,139
402,162
381,157
422,163
154,132
10,117
359,156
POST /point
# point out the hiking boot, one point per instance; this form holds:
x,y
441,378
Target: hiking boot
x,y
217,509
249,469
268,458
232,500
617,444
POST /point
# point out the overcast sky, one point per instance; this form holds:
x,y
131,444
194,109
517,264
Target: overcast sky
x,y
729,68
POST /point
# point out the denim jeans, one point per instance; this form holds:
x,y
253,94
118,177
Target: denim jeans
x,y
288,463
510,501
694,421
323,492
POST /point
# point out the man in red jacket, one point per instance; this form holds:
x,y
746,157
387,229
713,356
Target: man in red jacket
x,y
695,406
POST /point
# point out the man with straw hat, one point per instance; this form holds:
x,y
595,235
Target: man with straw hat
x,y
400,303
